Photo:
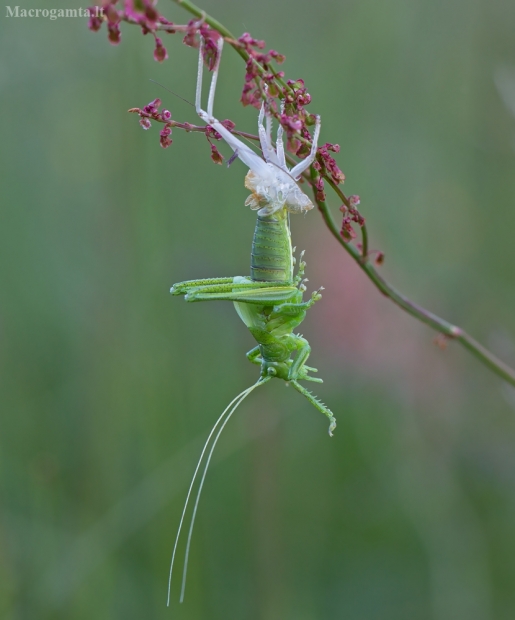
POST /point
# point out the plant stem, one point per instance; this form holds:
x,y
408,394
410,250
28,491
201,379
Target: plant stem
x,y
432,320
451,331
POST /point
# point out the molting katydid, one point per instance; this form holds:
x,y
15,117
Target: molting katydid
x,y
270,301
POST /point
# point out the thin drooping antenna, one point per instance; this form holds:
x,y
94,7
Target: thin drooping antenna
x,y
246,393
242,394
236,400
174,94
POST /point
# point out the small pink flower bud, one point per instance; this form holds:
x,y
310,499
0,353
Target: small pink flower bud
x,y
249,42
212,133
347,233
216,156
94,21
320,193
190,38
228,124
152,107
166,114
279,58
160,52
114,34
145,122
150,13
111,13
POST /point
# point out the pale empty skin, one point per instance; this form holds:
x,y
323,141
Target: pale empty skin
x,y
270,301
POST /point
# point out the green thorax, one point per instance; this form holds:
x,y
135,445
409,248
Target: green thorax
x,y
271,258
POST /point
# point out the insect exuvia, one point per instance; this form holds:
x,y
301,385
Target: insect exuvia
x,y
270,301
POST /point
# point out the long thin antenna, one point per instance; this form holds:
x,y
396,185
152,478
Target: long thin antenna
x,y
242,394
246,393
171,91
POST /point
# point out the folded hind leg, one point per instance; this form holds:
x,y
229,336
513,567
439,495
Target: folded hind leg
x,y
298,369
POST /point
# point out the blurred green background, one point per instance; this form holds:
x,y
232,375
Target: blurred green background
x,y
109,385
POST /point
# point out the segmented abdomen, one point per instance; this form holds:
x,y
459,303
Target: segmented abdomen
x,y
270,260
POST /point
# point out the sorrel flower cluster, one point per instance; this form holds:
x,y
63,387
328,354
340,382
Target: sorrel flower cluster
x,y
260,77
143,13
351,214
197,29
151,111
285,100
138,12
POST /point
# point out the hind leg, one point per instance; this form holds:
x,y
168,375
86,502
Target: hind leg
x,y
298,369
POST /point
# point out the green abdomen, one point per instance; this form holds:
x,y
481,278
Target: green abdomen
x,y
271,258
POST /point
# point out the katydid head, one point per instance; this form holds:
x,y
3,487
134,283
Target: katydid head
x,y
273,185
